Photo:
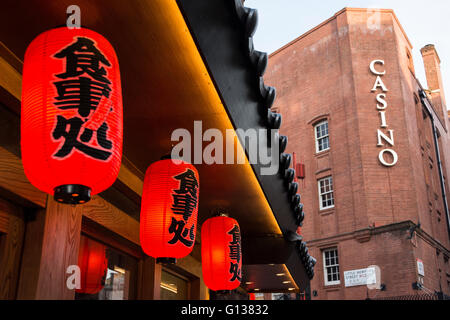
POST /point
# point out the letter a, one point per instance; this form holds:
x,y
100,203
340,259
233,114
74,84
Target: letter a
x,y
379,83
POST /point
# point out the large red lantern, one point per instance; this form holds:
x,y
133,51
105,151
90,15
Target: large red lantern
x,y
93,266
169,210
71,126
221,253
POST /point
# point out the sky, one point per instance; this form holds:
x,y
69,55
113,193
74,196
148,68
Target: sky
x,y
424,21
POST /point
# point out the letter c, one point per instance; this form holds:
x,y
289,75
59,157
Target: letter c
x,y
373,70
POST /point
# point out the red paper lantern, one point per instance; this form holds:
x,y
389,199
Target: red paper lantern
x,y
71,126
169,210
93,265
221,253
300,168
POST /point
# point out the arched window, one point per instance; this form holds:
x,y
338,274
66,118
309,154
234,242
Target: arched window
x,y
321,135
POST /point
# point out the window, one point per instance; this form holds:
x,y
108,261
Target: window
x,y
410,60
119,278
331,266
259,296
173,286
326,197
322,138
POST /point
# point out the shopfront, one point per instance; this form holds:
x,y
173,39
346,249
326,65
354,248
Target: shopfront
x,y
181,62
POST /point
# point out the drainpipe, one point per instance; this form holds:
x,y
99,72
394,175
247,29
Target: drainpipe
x,y
423,97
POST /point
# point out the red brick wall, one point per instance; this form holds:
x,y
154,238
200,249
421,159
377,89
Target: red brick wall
x,y
391,251
434,79
325,74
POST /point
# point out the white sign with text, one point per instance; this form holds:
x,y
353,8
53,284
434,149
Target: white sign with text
x,y
420,268
385,141
360,277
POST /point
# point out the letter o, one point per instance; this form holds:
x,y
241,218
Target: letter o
x,y
394,156
372,67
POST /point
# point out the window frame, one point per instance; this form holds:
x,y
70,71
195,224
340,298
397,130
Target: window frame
x,y
119,248
325,266
317,138
325,193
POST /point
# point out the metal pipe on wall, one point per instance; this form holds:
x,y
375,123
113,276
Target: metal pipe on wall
x,y
423,98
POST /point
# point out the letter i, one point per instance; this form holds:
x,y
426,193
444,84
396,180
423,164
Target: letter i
x,y
383,119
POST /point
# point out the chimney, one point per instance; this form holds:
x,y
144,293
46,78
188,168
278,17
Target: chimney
x,y
432,65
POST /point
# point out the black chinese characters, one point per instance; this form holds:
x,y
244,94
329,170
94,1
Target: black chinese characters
x,y
84,87
184,202
235,253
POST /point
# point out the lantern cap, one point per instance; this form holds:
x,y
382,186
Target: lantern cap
x,y
220,212
72,194
166,260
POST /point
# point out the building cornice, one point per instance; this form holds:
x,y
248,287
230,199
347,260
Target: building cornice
x,y
347,9
363,235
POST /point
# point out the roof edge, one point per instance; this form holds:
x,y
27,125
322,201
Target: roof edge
x,y
346,9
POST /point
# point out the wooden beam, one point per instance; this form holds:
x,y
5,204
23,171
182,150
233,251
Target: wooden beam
x,y
51,245
10,79
4,222
109,238
130,176
107,215
11,58
13,179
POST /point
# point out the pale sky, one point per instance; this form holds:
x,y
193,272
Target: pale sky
x,y
425,22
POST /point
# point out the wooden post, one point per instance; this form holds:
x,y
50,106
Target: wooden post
x,y
11,237
149,279
51,245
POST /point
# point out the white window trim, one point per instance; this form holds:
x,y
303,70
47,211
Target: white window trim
x,y
325,274
320,194
325,136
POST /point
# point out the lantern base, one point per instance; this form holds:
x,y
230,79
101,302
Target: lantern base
x,y
72,194
166,260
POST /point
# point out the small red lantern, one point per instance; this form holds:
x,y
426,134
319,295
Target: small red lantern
x,y
221,253
71,125
169,210
93,265
300,169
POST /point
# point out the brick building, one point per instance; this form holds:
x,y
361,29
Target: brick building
x,y
375,170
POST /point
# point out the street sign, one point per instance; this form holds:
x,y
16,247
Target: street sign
x,y
360,277
420,268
